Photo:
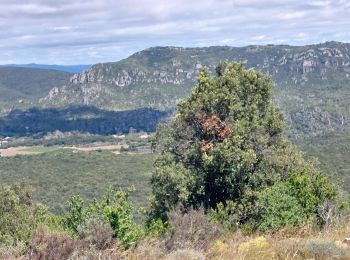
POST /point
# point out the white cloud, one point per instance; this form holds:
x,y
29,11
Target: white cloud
x,y
90,31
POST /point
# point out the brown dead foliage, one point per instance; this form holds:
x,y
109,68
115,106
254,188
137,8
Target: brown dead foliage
x,y
215,129
47,245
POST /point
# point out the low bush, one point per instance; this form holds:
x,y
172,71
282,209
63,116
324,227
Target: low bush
x,y
297,200
19,216
97,233
115,210
12,252
191,229
53,245
321,249
279,208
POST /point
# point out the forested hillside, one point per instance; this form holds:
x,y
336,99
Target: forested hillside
x,y
22,87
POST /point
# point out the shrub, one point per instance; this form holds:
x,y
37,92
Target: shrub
x,y
97,233
119,215
94,254
311,188
225,215
148,249
115,210
286,248
19,217
297,200
191,229
12,252
320,249
53,245
75,214
279,208
157,228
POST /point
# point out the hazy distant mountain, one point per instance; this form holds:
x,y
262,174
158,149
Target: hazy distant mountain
x,y
66,68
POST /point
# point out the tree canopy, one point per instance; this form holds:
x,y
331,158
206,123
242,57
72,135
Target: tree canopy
x,y
226,143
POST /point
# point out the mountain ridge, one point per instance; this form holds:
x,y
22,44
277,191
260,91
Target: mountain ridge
x,y
65,68
307,78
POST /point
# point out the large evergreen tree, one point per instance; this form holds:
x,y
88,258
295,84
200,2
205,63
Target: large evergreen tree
x,y
226,143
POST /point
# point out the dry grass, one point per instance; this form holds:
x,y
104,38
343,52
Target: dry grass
x,y
12,253
192,238
290,243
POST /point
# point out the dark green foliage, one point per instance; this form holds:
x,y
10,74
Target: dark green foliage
x,y
227,145
312,86
225,215
82,119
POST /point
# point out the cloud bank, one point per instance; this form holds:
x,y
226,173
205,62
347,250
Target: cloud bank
x,y
92,31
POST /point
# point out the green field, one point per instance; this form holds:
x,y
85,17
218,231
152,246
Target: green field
x,y
57,175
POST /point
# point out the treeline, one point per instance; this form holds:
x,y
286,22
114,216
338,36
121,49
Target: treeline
x,y
84,119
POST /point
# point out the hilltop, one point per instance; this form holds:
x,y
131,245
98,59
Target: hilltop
x,y
22,87
65,68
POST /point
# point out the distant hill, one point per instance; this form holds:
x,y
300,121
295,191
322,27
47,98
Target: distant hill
x,y
66,68
22,87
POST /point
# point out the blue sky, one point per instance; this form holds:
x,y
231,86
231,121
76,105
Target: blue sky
x,y
92,31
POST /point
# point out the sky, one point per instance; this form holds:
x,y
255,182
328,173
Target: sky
x,y
91,31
